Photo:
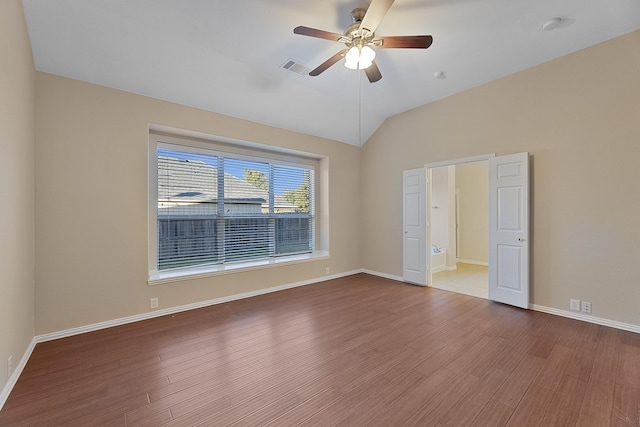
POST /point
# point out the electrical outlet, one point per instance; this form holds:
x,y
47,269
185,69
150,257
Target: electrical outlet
x,y
9,366
586,307
154,302
574,304
327,271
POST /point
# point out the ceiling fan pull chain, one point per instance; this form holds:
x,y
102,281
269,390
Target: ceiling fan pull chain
x,y
360,109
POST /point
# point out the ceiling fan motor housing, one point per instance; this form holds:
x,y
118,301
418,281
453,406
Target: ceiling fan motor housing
x,y
357,14
351,33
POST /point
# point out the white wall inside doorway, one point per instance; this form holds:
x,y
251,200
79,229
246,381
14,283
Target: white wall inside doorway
x,y
443,212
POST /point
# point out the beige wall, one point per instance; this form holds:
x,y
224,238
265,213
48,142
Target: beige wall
x,y
91,175
17,87
578,117
472,179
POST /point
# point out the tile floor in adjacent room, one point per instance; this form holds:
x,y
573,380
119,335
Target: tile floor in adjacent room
x,y
468,279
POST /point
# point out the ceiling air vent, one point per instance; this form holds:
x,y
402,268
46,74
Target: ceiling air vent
x,y
296,67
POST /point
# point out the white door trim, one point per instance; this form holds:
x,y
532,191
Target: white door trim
x,y
454,162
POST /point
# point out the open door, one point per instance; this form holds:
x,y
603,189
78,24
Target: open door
x,y
414,213
509,229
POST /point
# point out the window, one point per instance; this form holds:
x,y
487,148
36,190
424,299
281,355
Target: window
x,y
214,208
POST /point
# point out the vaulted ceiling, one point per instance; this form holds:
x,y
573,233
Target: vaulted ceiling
x,y
227,56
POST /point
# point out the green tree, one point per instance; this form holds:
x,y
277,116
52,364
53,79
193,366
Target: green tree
x,y
301,196
257,178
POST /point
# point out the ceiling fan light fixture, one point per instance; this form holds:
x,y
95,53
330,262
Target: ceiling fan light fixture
x,y
352,58
367,55
359,58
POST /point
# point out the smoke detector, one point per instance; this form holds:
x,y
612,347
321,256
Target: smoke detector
x,y
552,24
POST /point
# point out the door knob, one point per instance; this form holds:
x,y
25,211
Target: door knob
x,y
520,239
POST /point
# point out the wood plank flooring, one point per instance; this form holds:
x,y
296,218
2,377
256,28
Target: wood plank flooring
x,y
355,351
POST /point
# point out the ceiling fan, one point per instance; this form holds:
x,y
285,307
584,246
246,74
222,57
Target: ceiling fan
x,y
359,39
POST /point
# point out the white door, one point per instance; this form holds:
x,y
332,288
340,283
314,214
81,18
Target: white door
x,y
414,223
509,229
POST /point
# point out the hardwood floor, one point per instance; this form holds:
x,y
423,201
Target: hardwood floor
x,y
355,351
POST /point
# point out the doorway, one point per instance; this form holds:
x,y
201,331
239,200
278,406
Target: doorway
x,y
458,238
508,214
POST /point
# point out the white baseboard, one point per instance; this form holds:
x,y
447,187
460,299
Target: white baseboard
x,y
385,275
470,261
586,318
178,309
13,379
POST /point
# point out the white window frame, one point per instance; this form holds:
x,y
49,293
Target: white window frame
x,y
207,144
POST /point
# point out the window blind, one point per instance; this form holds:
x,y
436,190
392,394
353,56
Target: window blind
x,y
216,209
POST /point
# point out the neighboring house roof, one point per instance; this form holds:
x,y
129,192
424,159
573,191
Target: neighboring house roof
x,y
197,181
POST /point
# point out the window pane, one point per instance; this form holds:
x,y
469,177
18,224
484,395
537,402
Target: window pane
x,y
294,208
293,234
187,205
187,177
246,187
292,189
246,238
246,208
186,241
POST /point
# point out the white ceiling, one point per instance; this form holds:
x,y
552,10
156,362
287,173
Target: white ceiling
x,y
226,56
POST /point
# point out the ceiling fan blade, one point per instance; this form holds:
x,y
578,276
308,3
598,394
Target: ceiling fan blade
x,y
393,42
373,72
320,34
376,11
328,63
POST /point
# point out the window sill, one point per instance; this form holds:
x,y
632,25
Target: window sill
x,y
197,273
